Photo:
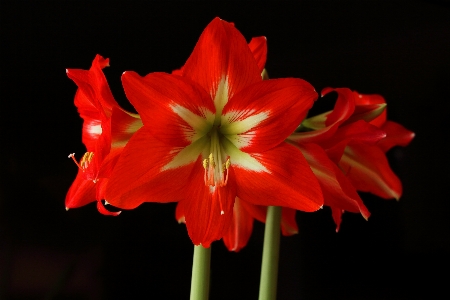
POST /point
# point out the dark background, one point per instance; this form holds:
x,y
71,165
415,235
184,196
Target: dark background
x,y
400,50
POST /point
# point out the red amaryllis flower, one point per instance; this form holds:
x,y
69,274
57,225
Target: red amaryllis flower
x,y
215,133
106,130
353,138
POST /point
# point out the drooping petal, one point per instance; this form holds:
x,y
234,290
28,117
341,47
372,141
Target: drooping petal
x,y
174,109
210,210
102,209
258,46
368,170
288,222
81,192
222,57
240,229
396,135
336,213
337,190
149,171
264,114
287,182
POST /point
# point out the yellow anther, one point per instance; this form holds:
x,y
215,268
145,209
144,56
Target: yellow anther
x,y
205,163
211,160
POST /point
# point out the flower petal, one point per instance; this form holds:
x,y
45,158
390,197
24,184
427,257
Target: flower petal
x,y
326,124
337,189
258,46
396,135
368,170
287,182
370,100
358,131
81,192
288,222
240,229
175,110
222,56
264,114
141,174
209,213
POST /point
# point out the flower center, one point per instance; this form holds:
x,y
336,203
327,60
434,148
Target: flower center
x,y
216,165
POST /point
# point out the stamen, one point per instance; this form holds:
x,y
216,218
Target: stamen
x,y
84,162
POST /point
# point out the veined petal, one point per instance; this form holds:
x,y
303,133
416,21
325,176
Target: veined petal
x,y
222,56
258,46
337,190
240,229
396,135
210,210
176,110
289,181
264,114
368,170
140,174
123,126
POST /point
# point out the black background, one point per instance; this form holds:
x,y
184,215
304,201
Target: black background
x,y
400,50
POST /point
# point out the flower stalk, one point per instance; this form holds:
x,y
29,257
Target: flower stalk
x,y
200,273
271,251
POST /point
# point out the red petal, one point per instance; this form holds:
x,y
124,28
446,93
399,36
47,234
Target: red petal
x,y
289,181
325,125
337,217
363,100
397,135
337,190
81,192
141,174
258,46
101,208
288,222
359,131
344,107
279,106
240,229
204,206
368,169
123,126
222,54
162,99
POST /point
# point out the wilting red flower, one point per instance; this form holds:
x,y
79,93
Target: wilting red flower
x,y
213,134
106,130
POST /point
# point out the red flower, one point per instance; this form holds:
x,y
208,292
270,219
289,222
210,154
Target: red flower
x,y
106,130
215,133
346,151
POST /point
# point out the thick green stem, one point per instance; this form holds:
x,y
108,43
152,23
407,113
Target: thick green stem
x,y
200,273
271,250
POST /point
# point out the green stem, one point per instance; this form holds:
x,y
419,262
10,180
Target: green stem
x,y
271,250
200,273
